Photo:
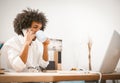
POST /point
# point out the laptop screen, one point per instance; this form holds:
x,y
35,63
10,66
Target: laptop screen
x,y
112,54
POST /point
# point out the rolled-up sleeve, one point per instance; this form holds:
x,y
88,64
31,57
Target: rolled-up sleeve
x,y
15,60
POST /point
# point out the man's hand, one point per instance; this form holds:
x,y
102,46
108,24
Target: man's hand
x,y
29,36
46,43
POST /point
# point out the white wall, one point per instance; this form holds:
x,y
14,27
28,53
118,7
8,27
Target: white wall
x,y
73,21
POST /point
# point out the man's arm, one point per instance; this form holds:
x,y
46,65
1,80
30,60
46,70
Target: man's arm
x,y
29,36
45,49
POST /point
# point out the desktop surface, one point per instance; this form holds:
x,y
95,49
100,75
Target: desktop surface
x,y
54,76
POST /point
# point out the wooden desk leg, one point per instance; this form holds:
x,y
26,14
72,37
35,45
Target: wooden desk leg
x,y
103,81
113,81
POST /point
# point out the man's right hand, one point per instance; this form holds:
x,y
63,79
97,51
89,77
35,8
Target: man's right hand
x,y
29,36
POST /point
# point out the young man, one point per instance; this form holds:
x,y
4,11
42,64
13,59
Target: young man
x,y
24,52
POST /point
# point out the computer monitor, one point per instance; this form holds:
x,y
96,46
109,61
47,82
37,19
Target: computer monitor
x,y
112,54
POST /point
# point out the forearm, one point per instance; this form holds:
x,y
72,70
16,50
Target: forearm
x,y
24,52
45,53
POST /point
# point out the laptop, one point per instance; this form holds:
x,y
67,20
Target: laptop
x,y
112,55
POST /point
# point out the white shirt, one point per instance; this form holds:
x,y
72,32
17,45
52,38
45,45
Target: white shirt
x,y
10,52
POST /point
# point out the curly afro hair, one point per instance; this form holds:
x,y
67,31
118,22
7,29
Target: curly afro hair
x,y
24,20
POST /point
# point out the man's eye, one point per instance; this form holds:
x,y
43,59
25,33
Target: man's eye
x,y
35,27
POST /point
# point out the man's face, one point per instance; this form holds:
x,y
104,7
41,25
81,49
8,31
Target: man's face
x,y
35,26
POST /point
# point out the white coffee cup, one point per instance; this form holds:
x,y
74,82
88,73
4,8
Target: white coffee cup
x,y
40,35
